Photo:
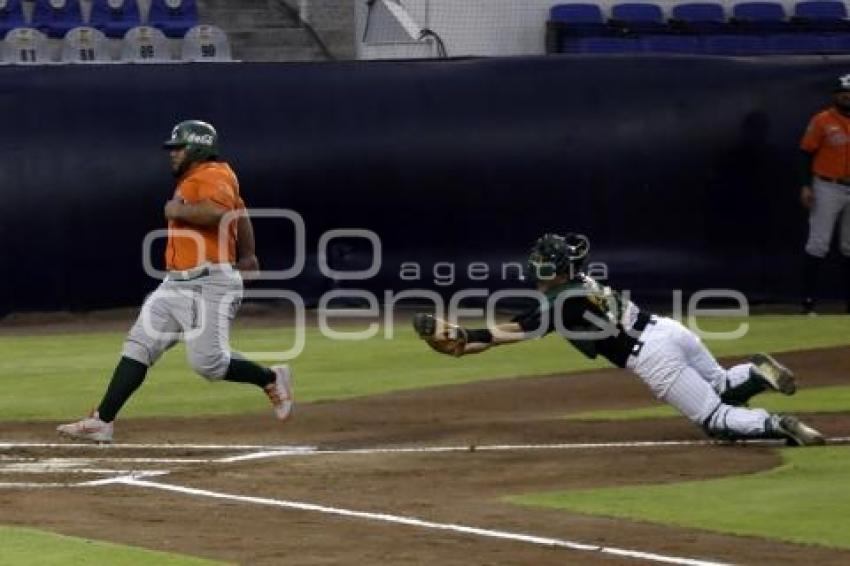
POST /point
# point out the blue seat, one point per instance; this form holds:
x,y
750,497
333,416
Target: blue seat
x,y
822,16
11,17
839,43
758,17
699,17
607,45
671,44
56,22
173,17
567,21
798,43
733,44
821,10
634,17
114,19
576,14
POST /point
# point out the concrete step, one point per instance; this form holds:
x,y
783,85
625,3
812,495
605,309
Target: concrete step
x,y
232,4
228,18
271,37
258,53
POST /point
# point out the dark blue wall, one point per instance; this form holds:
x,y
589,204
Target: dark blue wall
x,y
681,170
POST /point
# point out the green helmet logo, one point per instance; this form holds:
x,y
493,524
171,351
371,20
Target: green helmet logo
x,y
198,138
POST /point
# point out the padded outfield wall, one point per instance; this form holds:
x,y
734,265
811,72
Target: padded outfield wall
x,y
682,170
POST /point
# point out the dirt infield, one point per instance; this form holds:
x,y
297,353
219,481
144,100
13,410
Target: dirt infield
x,y
315,492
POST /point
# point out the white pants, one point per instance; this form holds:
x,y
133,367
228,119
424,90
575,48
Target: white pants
x,y
199,312
681,371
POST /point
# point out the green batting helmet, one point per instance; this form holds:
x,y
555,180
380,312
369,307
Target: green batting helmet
x,y
554,255
199,138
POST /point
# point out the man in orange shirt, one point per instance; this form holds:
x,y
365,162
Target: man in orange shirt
x,y
199,297
825,192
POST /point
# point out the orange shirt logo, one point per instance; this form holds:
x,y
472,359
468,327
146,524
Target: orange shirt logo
x,y
190,245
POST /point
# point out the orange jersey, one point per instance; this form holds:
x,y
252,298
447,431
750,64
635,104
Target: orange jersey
x,y
828,138
215,182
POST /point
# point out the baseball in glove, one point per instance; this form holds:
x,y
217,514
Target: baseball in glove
x,y
442,336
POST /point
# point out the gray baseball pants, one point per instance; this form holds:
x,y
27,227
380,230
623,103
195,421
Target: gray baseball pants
x,y
199,312
830,200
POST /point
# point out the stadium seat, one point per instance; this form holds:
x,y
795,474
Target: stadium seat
x,y
145,44
85,45
825,16
839,43
759,17
26,46
173,17
670,44
733,45
56,17
607,45
577,14
206,43
11,16
797,43
114,17
567,21
638,18
698,17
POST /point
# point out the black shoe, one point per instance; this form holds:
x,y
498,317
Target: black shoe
x,y
773,374
795,431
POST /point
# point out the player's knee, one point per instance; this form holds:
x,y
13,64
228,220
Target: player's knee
x,y
210,365
137,352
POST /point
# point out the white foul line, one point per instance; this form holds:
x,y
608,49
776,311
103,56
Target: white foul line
x,y
411,521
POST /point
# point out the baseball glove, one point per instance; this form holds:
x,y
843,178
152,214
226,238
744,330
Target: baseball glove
x,y
442,336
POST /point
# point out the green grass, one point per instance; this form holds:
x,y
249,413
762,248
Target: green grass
x,y
805,500
27,546
816,400
50,377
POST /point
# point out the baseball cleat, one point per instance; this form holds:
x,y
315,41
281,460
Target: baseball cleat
x,y
279,392
799,433
90,429
773,374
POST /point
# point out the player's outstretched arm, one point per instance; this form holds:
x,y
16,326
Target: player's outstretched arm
x,y
454,340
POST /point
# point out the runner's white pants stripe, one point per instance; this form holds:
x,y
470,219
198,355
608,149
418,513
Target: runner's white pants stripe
x,y
680,371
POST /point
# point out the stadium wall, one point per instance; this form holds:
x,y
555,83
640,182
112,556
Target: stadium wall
x,y
682,171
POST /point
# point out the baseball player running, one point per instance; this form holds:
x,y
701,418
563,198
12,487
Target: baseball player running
x,y
665,355
825,192
202,291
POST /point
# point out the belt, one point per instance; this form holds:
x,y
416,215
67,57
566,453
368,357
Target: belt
x,y
643,320
189,274
838,181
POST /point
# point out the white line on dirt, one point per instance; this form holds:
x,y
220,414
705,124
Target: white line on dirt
x,y
33,485
411,521
284,450
6,445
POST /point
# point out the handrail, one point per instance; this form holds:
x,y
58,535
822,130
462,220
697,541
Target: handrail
x,y
295,13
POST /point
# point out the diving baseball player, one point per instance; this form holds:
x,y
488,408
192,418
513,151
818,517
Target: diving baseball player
x,y
668,357
202,291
